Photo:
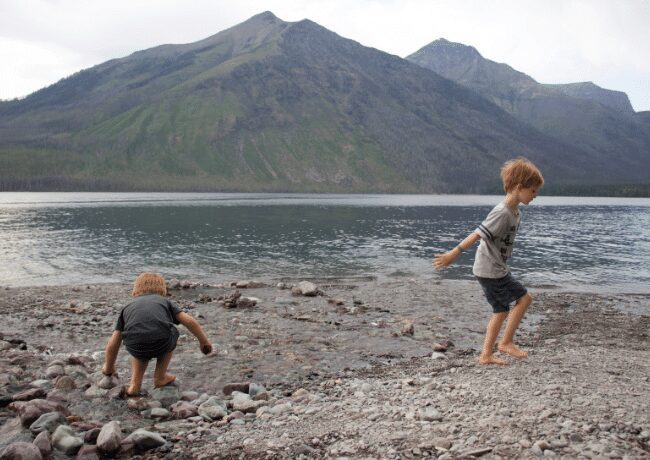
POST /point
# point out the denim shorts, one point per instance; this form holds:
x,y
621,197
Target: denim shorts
x,y
501,292
144,350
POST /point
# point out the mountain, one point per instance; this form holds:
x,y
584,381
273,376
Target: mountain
x,y
616,100
597,121
270,105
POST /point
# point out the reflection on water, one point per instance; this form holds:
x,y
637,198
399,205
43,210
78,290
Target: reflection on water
x,y
84,238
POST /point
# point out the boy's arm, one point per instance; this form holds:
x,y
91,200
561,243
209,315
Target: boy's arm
x,y
194,327
112,349
446,259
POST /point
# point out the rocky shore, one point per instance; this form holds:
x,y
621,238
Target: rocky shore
x,y
341,368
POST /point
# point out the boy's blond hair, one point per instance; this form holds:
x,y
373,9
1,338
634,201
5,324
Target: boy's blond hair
x,y
149,283
520,171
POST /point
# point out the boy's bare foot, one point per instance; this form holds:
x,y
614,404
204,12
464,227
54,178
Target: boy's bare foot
x,y
512,350
491,360
169,378
133,391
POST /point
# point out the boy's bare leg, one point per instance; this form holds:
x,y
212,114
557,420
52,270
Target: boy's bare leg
x,y
491,334
160,375
138,367
506,345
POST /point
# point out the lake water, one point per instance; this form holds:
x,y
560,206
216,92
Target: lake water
x,y
600,244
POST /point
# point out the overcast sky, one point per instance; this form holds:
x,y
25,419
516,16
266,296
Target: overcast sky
x,y
553,41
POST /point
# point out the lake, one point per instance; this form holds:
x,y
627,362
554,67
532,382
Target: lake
x,y
597,244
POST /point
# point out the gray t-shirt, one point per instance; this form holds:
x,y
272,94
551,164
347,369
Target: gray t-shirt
x,y
148,319
497,232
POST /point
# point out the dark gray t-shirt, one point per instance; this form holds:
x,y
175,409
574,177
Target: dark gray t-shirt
x,y
497,232
148,319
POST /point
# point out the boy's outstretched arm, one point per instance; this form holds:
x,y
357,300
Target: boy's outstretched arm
x,y
112,349
446,259
196,329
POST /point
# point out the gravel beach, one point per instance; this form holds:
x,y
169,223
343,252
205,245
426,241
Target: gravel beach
x,y
348,368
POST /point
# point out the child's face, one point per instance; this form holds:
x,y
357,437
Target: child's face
x,y
527,194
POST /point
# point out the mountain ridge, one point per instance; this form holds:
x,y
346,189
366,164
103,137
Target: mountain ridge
x,y
269,105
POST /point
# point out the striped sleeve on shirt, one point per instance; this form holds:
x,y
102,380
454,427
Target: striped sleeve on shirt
x,y
494,224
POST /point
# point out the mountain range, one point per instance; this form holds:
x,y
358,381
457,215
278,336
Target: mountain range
x,y
270,105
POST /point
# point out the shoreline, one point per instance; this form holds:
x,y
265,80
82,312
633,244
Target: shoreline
x,y
344,375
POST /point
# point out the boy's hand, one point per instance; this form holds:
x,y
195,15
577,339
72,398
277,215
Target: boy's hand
x,y
444,260
206,348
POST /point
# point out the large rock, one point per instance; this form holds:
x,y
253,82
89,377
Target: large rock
x,y
110,437
213,409
49,421
65,440
42,441
166,395
145,440
30,411
21,451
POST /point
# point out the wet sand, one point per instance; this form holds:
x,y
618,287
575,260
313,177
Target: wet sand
x,y
584,386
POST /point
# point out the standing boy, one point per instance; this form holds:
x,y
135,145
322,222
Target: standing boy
x,y
521,182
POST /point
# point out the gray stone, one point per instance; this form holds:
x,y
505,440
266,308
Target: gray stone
x,y
64,440
184,409
42,442
49,421
213,409
110,437
41,383
95,392
308,289
108,381
56,370
189,396
255,389
430,414
21,451
145,440
160,413
167,395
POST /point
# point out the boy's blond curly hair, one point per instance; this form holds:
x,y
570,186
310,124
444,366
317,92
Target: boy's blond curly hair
x,y
149,283
520,171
